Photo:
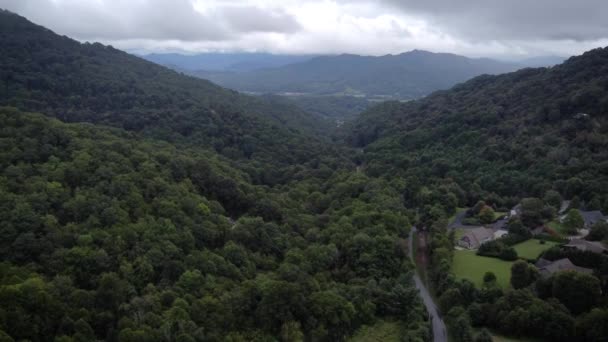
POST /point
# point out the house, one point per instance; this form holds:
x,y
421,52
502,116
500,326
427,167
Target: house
x,y
589,217
475,237
516,211
547,268
538,230
592,217
584,245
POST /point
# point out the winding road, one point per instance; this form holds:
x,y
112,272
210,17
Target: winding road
x,y
439,330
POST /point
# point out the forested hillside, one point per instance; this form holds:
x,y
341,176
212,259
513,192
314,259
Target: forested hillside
x,y
110,236
512,135
144,205
405,76
532,138
41,71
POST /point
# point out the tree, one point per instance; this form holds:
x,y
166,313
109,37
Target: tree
x,y
573,221
489,279
522,274
593,326
517,228
531,212
598,232
579,292
459,324
553,198
486,215
484,336
450,299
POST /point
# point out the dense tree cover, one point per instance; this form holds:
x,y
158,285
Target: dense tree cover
x,y
41,71
331,108
502,138
534,138
108,235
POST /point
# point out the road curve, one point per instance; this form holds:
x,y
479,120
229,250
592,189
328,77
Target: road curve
x,y
439,330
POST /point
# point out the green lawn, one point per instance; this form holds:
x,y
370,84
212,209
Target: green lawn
x,y
557,226
381,331
532,248
499,215
468,265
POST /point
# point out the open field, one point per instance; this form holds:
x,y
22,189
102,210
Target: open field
x,y
468,265
532,248
381,331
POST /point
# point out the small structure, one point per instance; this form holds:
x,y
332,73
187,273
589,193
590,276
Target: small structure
x,y
564,207
547,268
538,230
516,211
473,238
587,246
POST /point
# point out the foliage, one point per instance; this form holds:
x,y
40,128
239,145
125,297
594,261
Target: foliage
x,y
573,221
523,274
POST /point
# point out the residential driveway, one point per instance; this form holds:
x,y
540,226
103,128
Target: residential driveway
x,y
458,220
439,330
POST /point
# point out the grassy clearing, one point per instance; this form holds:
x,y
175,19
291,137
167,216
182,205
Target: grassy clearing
x,y
468,265
381,331
499,215
557,226
532,248
501,338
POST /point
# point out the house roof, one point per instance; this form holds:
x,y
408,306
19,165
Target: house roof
x,y
477,235
584,245
547,268
592,217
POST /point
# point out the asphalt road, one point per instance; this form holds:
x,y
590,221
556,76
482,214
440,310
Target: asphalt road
x,y
439,330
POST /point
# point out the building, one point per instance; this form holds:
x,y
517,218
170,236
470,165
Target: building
x,y
592,217
516,211
587,246
589,217
475,237
547,268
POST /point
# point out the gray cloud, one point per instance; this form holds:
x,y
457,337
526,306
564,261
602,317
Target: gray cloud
x,y
493,28
151,19
579,20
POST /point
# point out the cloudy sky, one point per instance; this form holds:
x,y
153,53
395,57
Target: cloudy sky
x,y
495,28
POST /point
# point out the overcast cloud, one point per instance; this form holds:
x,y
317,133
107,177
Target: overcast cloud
x,y
472,27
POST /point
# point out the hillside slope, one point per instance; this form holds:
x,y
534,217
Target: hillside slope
x,y
41,71
121,222
405,76
515,135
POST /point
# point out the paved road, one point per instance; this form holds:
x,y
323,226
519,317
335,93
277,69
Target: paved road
x,y
439,331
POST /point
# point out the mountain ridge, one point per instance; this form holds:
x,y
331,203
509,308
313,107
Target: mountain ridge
x,y
404,76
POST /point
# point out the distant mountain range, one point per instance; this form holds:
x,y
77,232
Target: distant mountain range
x,y
224,61
405,76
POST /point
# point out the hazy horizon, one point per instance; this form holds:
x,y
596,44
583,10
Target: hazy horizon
x,y
473,28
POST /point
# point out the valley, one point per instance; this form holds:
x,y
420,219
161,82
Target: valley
x,y
412,197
